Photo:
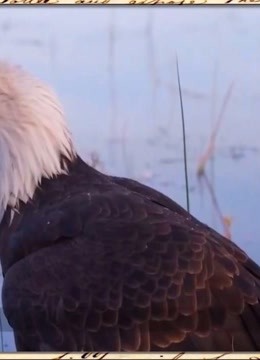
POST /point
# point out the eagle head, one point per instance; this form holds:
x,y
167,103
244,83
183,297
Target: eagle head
x,y
34,138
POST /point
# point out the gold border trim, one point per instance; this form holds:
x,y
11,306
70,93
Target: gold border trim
x,y
129,2
135,356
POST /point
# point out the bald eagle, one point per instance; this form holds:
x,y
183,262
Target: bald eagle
x,y
103,263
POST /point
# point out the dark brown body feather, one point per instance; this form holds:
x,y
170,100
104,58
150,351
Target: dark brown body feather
x,y
105,263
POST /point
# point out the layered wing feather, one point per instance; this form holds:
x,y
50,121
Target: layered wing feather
x,y
130,270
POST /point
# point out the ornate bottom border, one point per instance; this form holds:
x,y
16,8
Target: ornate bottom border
x,y
135,356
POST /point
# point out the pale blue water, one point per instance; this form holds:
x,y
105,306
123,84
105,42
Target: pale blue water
x,y
69,48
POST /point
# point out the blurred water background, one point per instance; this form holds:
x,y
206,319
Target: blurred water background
x,y
114,69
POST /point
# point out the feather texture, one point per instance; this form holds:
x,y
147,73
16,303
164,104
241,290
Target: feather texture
x,y
118,266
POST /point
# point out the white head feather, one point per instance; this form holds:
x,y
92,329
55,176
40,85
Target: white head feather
x,y
33,135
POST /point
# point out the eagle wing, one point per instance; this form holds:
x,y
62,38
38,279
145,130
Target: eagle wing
x,y
113,270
